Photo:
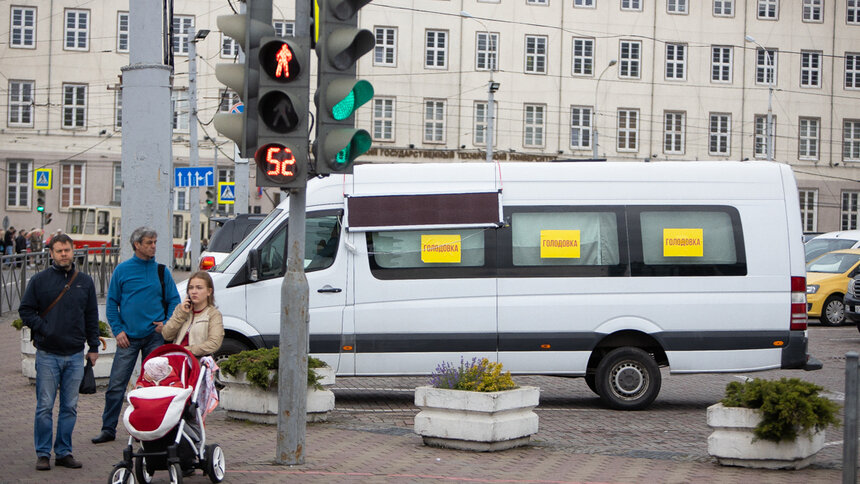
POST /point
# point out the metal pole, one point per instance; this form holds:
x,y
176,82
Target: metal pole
x,y
769,123
612,62
490,113
849,431
295,317
194,158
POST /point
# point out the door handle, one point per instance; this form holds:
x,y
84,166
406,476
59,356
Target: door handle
x,y
329,289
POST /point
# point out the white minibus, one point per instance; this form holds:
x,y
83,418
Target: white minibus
x,y
606,271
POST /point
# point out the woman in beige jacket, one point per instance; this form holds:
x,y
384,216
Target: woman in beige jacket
x,y
196,323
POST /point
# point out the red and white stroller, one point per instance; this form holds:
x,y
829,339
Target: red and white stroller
x,y
168,421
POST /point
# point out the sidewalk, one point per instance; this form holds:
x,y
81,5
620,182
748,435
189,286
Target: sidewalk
x,y
338,452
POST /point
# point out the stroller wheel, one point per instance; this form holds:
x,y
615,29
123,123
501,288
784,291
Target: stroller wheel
x,y
140,471
215,463
121,475
175,471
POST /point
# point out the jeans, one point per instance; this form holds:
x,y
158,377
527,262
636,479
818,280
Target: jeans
x,y
120,372
53,372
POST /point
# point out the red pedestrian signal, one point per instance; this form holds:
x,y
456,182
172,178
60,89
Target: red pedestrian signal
x,y
280,61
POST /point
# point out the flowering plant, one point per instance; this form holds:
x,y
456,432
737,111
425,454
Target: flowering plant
x,y
476,376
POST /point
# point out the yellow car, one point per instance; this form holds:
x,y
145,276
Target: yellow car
x,y
827,279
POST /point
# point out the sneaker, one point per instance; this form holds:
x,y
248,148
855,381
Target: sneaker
x,y
68,461
43,464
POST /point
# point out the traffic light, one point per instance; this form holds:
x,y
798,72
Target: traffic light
x,y
210,201
48,217
339,44
40,200
282,112
247,29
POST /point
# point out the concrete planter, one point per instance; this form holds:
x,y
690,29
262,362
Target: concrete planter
x,y
242,401
476,420
101,369
732,442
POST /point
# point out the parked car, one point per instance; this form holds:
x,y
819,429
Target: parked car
x,y
852,301
824,243
227,237
807,236
827,278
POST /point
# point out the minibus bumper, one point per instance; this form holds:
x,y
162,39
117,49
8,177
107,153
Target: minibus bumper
x,y
794,355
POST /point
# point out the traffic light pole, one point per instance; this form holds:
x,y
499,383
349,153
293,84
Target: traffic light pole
x,y
194,158
295,316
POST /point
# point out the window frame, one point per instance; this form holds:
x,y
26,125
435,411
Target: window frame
x,y
631,60
632,6
852,12
387,48
851,140
123,35
536,50
480,125
179,101
580,56
23,106
849,209
722,135
624,132
810,71
760,135
116,195
763,70
677,7
676,136
767,10
721,66
808,214
74,33
432,53
722,8
382,123
183,26
673,51
117,109
811,8
229,47
852,69
22,28
584,4
75,107
808,145
489,55
534,125
284,28
20,187
435,120
585,127
68,190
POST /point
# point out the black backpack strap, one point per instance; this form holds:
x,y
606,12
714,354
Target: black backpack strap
x,y
161,269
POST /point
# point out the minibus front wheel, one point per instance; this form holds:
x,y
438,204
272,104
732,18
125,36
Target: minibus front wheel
x,y
628,378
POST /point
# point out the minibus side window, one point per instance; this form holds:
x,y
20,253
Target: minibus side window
x,y
322,237
427,254
686,241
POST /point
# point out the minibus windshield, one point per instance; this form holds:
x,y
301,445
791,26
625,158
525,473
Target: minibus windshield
x,y
247,241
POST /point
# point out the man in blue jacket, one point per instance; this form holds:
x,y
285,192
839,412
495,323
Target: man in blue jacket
x,y
138,299
60,308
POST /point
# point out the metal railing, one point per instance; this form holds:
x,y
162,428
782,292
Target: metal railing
x,y
17,269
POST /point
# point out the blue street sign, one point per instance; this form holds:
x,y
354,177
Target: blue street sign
x,y
198,176
237,108
226,193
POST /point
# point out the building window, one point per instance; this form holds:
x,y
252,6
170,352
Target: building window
x,y
808,138
583,57
673,133
537,2
385,52
580,127
813,11
721,63
724,8
74,106
18,184
852,12
852,70
809,209
487,51
20,104
180,199
436,53
183,27
810,69
760,144
630,54
719,134
22,33
284,28
229,47
676,6
628,130
535,54
533,121
383,119
481,123
77,30
434,121
851,140
71,184
850,210
768,9
583,3
228,100
631,5
117,183
676,61
765,69
117,109
179,103
122,32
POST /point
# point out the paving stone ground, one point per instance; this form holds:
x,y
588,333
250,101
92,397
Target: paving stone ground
x,y
369,437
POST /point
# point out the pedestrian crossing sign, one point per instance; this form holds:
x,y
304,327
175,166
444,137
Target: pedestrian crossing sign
x,y
227,193
43,179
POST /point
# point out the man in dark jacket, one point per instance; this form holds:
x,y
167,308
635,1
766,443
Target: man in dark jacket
x,y
60,325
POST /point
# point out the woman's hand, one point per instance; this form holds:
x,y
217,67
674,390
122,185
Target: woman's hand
x,y
186,305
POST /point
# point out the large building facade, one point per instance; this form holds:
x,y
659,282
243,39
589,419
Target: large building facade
x,y
647,80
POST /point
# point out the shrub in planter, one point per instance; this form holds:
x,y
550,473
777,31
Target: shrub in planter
x,y
775,424
475,406
103,364
259,365
104,328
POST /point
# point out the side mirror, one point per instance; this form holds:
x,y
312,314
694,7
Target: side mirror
x,y
252,265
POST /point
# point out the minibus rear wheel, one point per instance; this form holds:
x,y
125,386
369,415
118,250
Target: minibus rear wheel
x,y
628,378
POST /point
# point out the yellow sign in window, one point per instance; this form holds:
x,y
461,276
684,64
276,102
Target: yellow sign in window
x,y
559,244
683,243
441,248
